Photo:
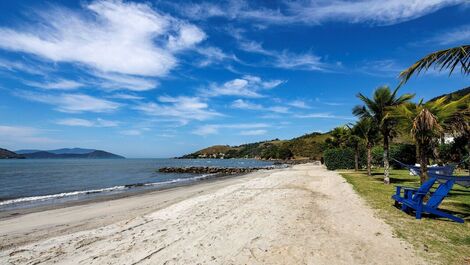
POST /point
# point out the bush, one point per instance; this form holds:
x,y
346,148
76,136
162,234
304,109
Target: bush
x,y
405,153
339,158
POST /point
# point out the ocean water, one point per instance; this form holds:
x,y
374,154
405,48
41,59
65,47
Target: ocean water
x,y
37,182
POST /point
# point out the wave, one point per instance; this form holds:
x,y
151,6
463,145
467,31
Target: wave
x,y
104,190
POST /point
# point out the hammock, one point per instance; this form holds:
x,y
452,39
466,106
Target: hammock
x,y
463,181
416,170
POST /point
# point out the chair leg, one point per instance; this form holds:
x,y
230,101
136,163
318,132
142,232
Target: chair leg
x,y
445,215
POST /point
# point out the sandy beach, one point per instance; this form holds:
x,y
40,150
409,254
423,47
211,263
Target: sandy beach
x,y
299,215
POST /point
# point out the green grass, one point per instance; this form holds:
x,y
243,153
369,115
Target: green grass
x,y
440,241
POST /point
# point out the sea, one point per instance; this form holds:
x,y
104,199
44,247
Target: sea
x,y
29,183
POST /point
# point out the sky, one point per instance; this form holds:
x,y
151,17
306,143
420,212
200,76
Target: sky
x,y
165,78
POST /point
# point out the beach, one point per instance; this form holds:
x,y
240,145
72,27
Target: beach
x,y
303,214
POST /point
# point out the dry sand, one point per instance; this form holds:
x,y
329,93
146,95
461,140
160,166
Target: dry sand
x,y
300,215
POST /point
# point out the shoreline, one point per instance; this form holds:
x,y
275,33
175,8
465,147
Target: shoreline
x,y
165,196
303,214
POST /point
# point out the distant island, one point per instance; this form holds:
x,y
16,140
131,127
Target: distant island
x,y
63,153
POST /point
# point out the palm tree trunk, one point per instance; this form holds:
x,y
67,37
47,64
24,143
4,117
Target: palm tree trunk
x,y
423,162
356,158
386,162
369,159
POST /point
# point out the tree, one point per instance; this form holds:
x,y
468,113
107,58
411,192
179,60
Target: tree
x,y
354,140
338,138
427,122
377,108
445,59
368,131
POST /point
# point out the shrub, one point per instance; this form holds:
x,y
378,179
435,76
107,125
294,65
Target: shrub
x,y
339,158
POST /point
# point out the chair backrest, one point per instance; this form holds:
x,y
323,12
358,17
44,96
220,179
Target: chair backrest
x,y
424,188
440,193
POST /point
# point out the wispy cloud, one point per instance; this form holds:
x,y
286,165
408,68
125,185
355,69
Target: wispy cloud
x,y
283,59
181,108
108,36
21,66
317,12
253,132
72,103
132,132
247,105
324,115
246,86
87,123
298,104
215,128
459,35
22,134
61,84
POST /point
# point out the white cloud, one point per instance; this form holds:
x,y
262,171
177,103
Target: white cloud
x,y
73,103
181,108
298,104
126,96
131,132
213,55
247,105
381,68
247,86
324,115
61,84
87,123
23,134
243,104
459,35
107,35
283,59
253,132
317,12
20,66
214,128
119,82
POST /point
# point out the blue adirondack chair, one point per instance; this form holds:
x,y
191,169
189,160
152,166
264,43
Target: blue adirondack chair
x,y
413,199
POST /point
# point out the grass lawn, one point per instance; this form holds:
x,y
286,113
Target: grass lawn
x,y
440,241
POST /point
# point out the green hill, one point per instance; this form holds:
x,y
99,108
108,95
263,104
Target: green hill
x,y
306,146
7,154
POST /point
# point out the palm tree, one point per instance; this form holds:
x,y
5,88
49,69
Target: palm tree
x,y
444,59
368,131
354,141
377,109
427,122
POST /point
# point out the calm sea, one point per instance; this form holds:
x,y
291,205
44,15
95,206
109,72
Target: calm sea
x,y
38,182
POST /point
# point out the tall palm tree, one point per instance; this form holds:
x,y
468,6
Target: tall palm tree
x,y
427,122
377,108
368,130
444,59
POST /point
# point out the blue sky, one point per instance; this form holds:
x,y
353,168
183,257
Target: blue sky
x,y
164,78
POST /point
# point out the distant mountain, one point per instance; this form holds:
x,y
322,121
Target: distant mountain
x,y
94,154
75,150
7,154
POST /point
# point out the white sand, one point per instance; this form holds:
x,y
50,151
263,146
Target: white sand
x,y
300,215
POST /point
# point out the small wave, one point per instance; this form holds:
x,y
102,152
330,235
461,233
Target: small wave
x,y
111,189
60,195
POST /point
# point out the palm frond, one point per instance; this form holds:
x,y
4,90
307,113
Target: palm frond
x,y
444,59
